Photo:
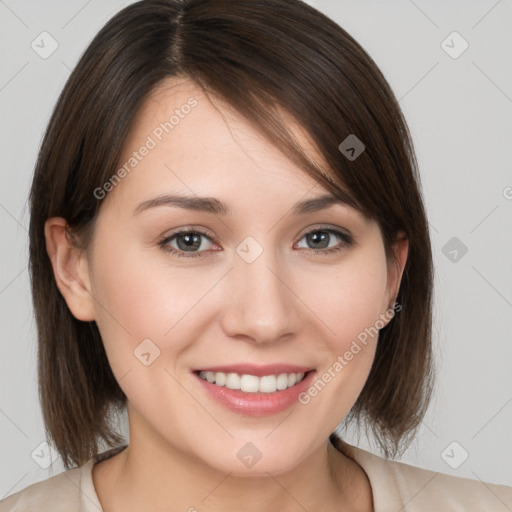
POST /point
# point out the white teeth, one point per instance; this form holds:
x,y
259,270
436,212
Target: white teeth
x,y
268,384
282,381
251,383
220,379
233,381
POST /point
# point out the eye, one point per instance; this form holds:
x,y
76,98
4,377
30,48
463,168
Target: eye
x,y
320,240
192,243
188,243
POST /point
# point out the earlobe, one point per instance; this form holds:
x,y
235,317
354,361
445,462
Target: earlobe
x,y
70,269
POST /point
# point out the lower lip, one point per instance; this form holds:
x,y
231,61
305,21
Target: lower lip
x,y
256,404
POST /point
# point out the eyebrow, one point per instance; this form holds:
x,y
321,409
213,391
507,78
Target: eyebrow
x,y
213,205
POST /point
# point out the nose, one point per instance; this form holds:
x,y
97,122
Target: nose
x,y
260,304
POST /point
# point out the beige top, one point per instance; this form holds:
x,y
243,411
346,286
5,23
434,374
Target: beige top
x,y
396,486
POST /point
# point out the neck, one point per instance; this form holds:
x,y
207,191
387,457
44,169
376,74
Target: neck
x,y
151,474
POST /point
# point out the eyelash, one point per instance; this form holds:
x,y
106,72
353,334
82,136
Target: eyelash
x,y
347,242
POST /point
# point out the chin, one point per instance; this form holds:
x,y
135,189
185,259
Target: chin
x,y
253,455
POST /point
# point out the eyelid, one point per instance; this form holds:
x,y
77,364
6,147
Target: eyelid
x,y
206,232
326,227
189,229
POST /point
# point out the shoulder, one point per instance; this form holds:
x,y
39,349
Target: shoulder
x,y
400,486
69,491
430,490
57,493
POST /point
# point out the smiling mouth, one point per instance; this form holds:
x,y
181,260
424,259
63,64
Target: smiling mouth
x,y
251,383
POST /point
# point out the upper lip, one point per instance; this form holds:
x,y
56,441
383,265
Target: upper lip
x,y
256,370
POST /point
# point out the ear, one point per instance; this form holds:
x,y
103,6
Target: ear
x,y
396,268
70,268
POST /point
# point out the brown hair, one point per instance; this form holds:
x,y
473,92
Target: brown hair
x,y
262,57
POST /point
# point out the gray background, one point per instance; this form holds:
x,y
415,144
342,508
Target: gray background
x,y
460,114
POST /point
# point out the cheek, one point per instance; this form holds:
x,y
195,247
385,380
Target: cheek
x,y
351,299
350,308
135,298
140,295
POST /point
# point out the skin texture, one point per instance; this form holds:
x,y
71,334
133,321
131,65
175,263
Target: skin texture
x,y
288,306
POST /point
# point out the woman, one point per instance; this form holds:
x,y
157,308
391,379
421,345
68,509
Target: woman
x,y
228,239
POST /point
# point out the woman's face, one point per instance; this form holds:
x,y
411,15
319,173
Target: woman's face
x,y
261,289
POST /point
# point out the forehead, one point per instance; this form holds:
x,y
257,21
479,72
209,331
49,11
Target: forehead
x,y
184,139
